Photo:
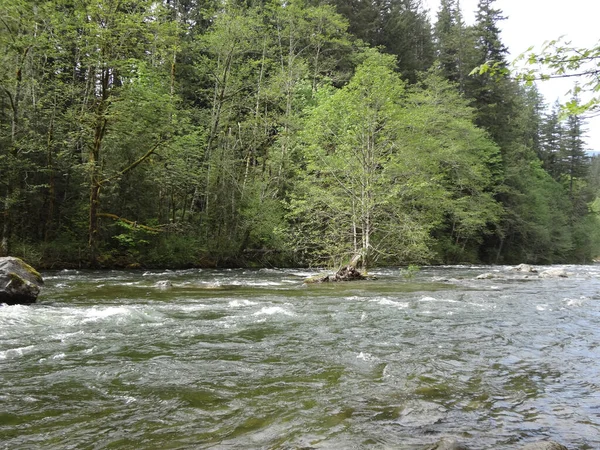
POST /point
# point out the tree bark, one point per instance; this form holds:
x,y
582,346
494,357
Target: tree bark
x,y
94,161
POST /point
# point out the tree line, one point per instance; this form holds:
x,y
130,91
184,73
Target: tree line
x,y
267,132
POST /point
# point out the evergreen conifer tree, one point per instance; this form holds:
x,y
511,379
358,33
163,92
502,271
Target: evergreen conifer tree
x,y
451,40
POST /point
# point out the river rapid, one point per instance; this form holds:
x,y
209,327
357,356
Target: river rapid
x,y
255,359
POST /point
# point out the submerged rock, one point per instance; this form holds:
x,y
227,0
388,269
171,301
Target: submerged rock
x,y
451,444
446,444
545,445
164,284
19,282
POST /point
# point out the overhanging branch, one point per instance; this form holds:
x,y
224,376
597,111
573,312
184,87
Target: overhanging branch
x,y
129,222
565,75
134,164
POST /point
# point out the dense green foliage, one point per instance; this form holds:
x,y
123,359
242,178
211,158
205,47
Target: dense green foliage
x,y
266,132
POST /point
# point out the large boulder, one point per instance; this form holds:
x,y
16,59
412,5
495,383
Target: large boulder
x,y
19,282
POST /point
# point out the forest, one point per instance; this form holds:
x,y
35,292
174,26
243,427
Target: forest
x,y
229,133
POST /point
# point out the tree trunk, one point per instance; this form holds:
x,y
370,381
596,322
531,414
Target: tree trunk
x,y
94,164
10,183
50,210
93,220
5,230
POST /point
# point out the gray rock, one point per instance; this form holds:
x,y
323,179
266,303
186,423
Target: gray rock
x,y
545,445
19,282
525,268
554,273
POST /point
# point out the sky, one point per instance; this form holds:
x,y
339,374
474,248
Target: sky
x,y
534,22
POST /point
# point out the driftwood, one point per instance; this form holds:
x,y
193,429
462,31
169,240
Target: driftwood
x,y
346,273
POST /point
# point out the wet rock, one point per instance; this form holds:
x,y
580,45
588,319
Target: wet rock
x,y
163,284
554,273
525,268
448,444
19,282
545,445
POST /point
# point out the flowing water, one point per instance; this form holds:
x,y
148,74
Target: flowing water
x,y
241,359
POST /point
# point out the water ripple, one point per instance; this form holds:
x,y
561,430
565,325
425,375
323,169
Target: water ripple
x,y
253,359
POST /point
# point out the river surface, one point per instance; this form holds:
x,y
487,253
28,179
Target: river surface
x,y
255,359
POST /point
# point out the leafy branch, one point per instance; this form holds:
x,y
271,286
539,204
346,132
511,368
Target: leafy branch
x,y
557,60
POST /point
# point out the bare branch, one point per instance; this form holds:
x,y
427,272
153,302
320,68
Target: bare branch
x,y
133,165
567,75
129,222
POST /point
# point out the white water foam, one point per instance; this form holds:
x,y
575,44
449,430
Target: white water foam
x,y
64,336
388,302
15,352
240,303
433,299
127,399
158,273
354,298
575,301
96,314
188,308
203,284
270,310
365,356
304,274
13,311
256,283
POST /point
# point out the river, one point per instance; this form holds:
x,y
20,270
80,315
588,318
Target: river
x,y
255,359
